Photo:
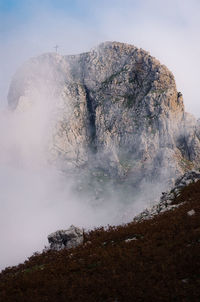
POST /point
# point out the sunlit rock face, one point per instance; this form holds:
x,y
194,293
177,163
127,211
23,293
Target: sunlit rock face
x,y
114,110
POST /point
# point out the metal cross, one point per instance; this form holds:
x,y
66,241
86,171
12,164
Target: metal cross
x,y
56,48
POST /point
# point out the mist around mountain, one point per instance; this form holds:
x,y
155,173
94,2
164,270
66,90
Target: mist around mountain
x,y
114,109
150,260
91,140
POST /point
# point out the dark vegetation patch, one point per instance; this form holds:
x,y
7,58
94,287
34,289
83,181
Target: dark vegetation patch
x,y
113,76
154,260
188,193
129,100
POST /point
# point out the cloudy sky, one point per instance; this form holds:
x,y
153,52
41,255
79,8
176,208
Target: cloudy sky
x,y
170,30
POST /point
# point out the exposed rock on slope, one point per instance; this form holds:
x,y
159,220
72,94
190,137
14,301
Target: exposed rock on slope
x,y
116,110
167,201
69,238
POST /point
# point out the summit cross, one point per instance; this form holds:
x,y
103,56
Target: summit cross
x,y
56,48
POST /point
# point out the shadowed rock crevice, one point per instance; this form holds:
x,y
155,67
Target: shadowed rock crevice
x,y
182,144
92,120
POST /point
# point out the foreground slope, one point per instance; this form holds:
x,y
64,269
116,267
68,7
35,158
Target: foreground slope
x,y
116,110
151,260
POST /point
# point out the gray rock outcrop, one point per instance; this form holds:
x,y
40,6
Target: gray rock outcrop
x,y
69,238
167,198
116,111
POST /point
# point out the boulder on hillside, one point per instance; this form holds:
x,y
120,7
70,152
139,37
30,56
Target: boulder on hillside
x,y
69,238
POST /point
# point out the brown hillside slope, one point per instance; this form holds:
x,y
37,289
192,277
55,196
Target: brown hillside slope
x,y
160,263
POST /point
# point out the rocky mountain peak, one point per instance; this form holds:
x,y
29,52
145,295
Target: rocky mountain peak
x,y
118,112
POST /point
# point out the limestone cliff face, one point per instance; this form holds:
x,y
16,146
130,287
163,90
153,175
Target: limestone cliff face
x,y
116,109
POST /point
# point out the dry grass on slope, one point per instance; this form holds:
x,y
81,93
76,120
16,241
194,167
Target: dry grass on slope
x,y
160,263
